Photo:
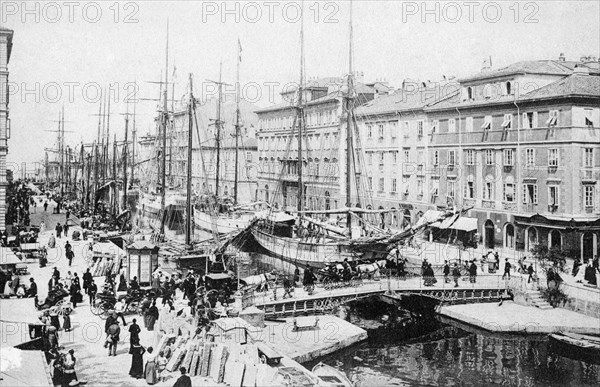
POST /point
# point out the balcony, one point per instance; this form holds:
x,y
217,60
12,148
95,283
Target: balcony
x,y
552,208
510,206
489,204
530,208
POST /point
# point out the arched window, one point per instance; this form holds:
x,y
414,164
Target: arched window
x,y
469,93
532,238
407,218
555,239
266,193
509,236
508,88
327,201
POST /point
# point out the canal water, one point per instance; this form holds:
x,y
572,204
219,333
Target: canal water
x,y
411,347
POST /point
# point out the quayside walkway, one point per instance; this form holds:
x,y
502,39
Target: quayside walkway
x,y
487,288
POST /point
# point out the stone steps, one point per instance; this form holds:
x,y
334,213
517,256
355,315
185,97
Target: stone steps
x,y
537,300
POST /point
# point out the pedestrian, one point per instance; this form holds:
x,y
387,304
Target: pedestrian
x,y
32,291
42,227
112,339
69,374
52,241
68,280
183,380
122,283
134,332
161,364
67,321
446,272
530,271
67,215
288,287
74,292
56,273
134,285
54,321
66,230
150,367
92,290
87,279
52,337
59,230
429,275
120,308
151,316
507,267
456,274
473,272
137,361
45,205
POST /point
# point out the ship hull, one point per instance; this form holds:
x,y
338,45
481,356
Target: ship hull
x,y
316,255
224,224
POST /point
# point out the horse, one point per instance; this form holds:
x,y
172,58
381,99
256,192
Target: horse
x,y
259,281
370,269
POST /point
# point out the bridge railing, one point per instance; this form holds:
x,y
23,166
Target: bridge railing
x,y
382,283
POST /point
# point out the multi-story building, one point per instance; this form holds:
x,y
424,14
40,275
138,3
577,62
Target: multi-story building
x,y
395,143
521,145
323,144
6,37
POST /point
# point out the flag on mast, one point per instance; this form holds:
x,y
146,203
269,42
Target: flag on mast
x,y
239,50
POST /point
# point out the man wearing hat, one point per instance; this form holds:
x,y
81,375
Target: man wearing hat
x,y
112,332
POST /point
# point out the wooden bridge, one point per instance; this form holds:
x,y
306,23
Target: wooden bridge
x,y
489,288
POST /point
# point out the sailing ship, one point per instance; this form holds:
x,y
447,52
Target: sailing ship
x,y
228,215
301,239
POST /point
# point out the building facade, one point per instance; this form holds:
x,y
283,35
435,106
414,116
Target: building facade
x,y
6,37
323,145
521,146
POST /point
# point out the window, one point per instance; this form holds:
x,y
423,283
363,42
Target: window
x,y
553,119
553,157
488,191
406,129
435,188
553,195
530,157
394,185
589,121
470,93
451,125
451,188
588,196
395,156
509,192
381,158
530,120
508,158
394,129
489,157
469,124
420,154
509,90
380,129
370,158
420,128
487,123
434,125
436,157
470,190
381,184
451,157
420,187
507,123
406,155
530,194
370,180
369,130
470,157
249,157
588,157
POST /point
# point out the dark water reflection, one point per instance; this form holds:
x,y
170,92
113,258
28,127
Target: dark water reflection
x,y
472,360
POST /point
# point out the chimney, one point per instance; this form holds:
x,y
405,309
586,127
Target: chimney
x,y
583,59
561,57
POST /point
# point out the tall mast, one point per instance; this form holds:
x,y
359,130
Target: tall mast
x,y
115,201
189,214
133,144
165,118
349,118
300,112
237,125
108,133
61,147
218,127
125,155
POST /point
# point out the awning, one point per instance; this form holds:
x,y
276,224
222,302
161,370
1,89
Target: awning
x,y
7,257
24,368
446,223
465,224
19,310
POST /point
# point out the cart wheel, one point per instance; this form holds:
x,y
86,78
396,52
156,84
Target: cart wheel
x,y
134,307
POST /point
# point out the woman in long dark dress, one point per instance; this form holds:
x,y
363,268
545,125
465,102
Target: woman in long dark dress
x,y
137,361
150,371
151,316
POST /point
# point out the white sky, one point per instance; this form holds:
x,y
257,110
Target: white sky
x,y
391,42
